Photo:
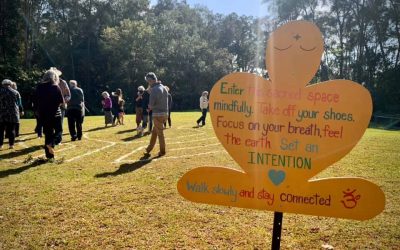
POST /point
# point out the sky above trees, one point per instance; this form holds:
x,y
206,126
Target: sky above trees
x,y
241,7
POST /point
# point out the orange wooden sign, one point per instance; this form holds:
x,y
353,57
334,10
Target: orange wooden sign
x,y
282,132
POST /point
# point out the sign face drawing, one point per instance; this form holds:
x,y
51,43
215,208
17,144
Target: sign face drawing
x,y
282,132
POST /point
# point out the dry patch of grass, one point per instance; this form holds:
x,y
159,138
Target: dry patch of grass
x,y
98,194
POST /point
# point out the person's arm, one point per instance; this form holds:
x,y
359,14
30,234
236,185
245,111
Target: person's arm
x,y
67,94
83,97
60,98
152,99
170,102
19,104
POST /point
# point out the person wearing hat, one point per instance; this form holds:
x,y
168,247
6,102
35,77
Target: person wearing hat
x,y
158,104
203,107
49,100
66,93
9,112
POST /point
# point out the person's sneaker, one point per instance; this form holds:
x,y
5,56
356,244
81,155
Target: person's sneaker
x,y
73,138
161,154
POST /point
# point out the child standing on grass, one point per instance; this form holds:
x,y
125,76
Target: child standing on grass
x,y
107,105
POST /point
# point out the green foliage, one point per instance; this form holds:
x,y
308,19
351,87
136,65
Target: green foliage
x,y
106,45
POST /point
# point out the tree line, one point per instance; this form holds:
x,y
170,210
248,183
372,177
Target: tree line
x,y
106,45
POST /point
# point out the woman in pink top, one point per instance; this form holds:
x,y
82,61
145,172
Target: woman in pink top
x,y
107,105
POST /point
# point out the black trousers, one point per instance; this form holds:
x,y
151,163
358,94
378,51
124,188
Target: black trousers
x,y
59,128
169,119
202,119
52,127
148,118
9,128
75,120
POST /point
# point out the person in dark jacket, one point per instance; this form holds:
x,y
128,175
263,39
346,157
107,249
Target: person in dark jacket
x,y
20,107
75,111
49,100
147,114
9,112
115,97
139,107
169,107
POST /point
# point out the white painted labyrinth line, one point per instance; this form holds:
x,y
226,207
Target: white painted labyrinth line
x,y
120,159
21,142
71,146
181,142
202,146
174,157
93,151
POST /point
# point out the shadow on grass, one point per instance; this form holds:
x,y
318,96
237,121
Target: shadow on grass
x,y
24,151
19,170
25,139
133,138
126,131
31,133
128,167
96,129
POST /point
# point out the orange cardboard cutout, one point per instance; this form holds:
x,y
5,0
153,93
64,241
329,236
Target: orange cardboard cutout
x,y
282,133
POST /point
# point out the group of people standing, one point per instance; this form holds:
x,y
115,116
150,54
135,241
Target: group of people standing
x,y
152,105
54,98
10,111
113,107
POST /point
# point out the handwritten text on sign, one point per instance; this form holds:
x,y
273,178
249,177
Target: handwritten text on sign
x,y
282,133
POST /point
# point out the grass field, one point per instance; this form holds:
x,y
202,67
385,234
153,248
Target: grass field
x,y
97,195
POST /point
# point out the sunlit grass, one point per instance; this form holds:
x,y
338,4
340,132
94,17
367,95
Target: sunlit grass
x,y
98,195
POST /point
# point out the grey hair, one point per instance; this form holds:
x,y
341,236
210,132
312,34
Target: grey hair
x,y
6,82
105,94
151,76
14,85
73,83
51,76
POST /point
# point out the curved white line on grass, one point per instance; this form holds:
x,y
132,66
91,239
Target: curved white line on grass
x,y
120,159
22,143
93,151
202,146
173,157
180,142
43,155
